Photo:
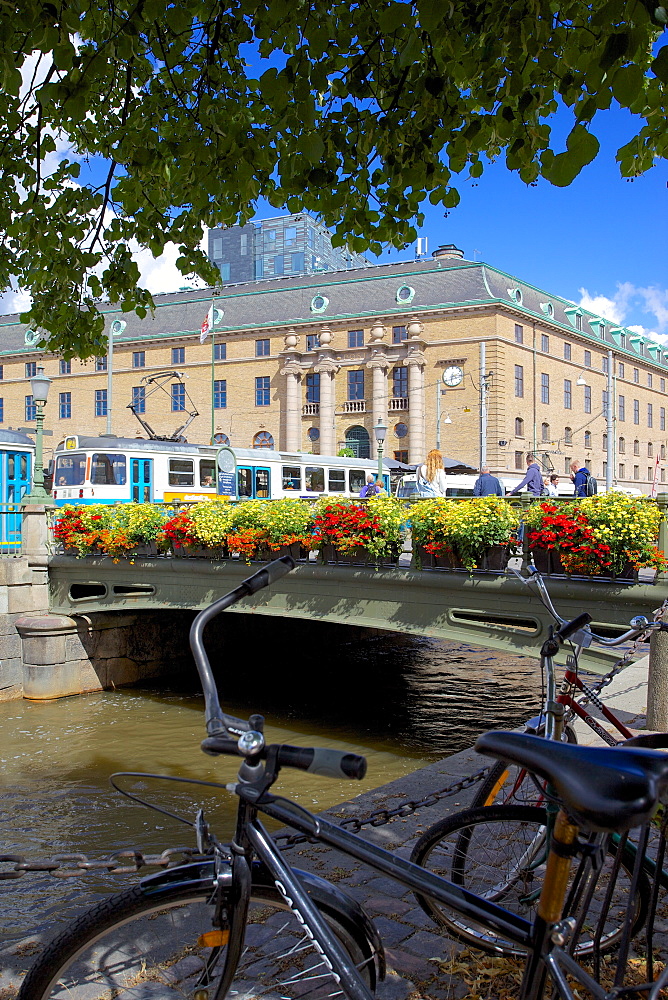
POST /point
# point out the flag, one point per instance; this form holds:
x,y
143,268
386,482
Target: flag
x,y
206,325
656,476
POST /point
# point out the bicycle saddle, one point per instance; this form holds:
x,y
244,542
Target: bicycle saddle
x,y
604,789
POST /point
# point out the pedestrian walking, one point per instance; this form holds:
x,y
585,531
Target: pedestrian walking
x,y
533,481
431,475
487,485
579,477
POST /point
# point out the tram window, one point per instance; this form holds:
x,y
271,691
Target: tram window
x,y
292,477
11,466
337,481
181,472
23,461
262,484
244,483
70,470
459,491
356,480
207,472
107,470
315,479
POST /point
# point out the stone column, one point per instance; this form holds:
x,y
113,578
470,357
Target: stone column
x,y
415,363
379,367
327,369
292,371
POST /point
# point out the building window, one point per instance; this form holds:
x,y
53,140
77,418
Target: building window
x,y
636,472
178,355
568,394
263,439
100,402
622,470
544,343
519,380
290,235
587,399
649,380
243,245
401,430
313,388
578,321
2,411
650,450
101,364
401,456
662,384
604,400
650,415
261,348
31,369
650,474
663,475
312,341
355,338
605,469
519,334
620,369
636,411
313,434
636,375
662,418
65,405
262,391
399,333
621,402
567,352
663,452
30,408
545,432
605,364
587,359
544,388
519,455
139,398
220,394
621,446
636,447
178,397
519,427
568,435
219,352
138,359
355,385
604,443
224,271
587,439
65,367
297,261
399,382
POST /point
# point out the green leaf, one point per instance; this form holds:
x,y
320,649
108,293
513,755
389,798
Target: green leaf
x,y
627,84
660,64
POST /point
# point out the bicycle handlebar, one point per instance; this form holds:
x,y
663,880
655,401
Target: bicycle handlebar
x,y
575,625
218,721
316,760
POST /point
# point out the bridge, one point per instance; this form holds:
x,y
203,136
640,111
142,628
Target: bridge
x,y
491,610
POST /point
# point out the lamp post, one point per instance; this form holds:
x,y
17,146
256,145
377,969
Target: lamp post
x,y
609,417
39,385
380,430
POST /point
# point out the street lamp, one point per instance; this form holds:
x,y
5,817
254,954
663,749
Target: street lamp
x,y
380,430
39,385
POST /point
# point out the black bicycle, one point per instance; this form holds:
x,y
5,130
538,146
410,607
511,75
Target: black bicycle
x,y
244,923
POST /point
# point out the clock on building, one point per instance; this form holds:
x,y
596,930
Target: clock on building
x,y
453,375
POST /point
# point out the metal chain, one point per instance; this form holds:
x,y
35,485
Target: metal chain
x,y
382,816
79,863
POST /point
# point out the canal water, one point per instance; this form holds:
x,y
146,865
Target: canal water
x,y
401,701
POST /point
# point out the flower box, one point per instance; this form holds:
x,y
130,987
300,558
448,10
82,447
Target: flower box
x,y
358,556
295,550
494,560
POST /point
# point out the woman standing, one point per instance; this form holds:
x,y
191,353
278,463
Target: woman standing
x,y
431,475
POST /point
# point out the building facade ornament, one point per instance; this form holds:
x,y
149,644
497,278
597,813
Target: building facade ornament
x,y
377,332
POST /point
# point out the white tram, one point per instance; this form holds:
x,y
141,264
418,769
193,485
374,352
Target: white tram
x,y
110,469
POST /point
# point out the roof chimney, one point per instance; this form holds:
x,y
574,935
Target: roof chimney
x,y
450,250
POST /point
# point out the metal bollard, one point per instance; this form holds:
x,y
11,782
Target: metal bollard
x,y
657,683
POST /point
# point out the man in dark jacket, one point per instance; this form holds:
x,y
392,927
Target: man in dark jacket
x,y
533,481
579,477
487,485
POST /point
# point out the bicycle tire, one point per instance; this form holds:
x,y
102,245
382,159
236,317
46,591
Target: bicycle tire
x,y
137,947
509,784
499,852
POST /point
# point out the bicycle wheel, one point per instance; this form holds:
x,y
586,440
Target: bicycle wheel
x,y
508,784
134,947
499,852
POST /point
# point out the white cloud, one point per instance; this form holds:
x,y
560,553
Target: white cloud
x,y
630,298
160,274
14,302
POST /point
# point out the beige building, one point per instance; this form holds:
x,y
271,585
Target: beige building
x,y
312,363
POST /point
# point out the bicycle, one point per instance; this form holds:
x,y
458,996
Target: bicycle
x,y
244,923
500,845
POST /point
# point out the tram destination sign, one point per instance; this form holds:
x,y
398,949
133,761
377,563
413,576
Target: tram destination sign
x,y
226,463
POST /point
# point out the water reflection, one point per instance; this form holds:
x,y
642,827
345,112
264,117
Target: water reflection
x,y
401,701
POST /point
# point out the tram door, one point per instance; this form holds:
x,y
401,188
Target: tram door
x,y
142,480
14,483
253,483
